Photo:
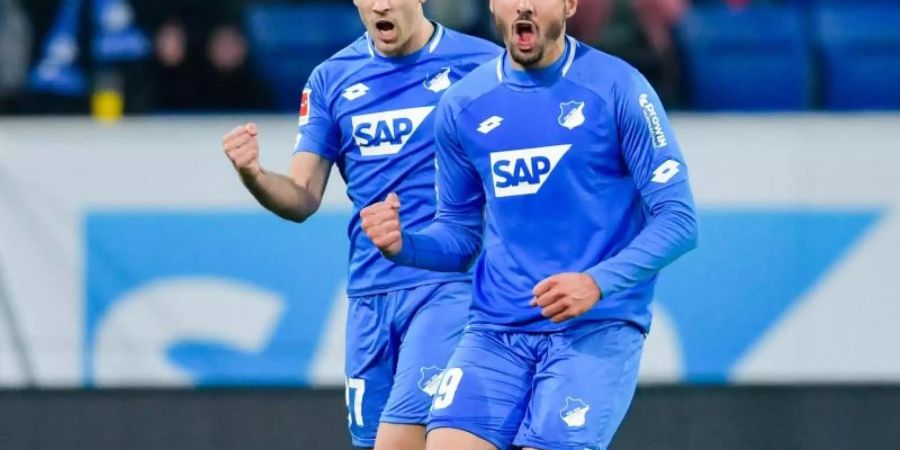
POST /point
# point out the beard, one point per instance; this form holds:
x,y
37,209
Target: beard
x,y
529,59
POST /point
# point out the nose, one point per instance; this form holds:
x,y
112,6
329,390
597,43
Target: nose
x,y
525,7
381,6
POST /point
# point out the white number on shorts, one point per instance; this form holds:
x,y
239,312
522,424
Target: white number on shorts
x,y
359,390
447,389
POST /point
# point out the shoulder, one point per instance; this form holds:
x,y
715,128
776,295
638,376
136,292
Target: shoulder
x,y
482,80
606,75
349,60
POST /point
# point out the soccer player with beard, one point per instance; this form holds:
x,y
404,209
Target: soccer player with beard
x,y
369,109
559,161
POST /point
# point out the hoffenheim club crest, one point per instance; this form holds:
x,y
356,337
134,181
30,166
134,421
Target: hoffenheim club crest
x,y
572,114
431,378
439,81
574,414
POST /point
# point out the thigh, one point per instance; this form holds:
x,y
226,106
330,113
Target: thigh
x,y
583,387
392,436
370,356
485,389
454,439
432,318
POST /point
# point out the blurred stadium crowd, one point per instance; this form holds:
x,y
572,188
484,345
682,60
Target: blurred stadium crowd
x,y
228,55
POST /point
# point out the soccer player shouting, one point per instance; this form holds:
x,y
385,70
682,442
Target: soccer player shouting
x,y
559,161
369,109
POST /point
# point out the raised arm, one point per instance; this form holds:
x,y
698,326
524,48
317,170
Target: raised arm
x,y
453,239
293,197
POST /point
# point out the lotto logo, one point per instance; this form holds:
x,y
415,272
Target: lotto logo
x,y
490,124
523,172
386,133
666,171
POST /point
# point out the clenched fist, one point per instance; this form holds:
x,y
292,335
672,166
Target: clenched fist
x,y
381,222
566,296
242,148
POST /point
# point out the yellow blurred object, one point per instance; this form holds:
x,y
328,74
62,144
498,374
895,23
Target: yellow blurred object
x,y
107,105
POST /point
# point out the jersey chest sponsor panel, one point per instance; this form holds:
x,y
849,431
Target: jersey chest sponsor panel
x,y
387,134
554,152
387,145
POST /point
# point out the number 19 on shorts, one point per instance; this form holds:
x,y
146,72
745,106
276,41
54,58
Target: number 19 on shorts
x,y
447,389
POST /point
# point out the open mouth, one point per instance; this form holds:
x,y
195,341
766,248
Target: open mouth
x,y
385,31
526,33
384,25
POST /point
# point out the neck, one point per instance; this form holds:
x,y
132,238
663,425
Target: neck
x,y
552,53
421,35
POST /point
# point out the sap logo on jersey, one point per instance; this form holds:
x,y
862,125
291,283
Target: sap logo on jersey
x,y
523,172
386,133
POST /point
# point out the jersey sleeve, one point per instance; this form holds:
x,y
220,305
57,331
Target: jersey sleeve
x,y
647,141
660,174
317,131
453,239
671,233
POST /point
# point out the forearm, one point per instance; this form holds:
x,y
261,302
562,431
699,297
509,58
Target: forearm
x,y
281,195
670,234
443,246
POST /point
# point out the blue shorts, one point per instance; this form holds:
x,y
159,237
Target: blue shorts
x,y
565,390
398,343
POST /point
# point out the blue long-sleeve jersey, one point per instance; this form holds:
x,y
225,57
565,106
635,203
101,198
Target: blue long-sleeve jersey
x,y
373,116
571,168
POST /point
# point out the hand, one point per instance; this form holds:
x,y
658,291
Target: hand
x,y
566,296
381,222
242,148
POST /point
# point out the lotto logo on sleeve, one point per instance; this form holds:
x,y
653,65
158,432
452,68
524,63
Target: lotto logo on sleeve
x,y
666,171
304,107
523,172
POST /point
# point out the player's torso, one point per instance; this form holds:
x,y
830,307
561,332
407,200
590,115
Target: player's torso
x,y
383,111
550,160
385,114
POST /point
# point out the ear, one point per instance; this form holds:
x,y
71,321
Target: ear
x,y
491,6
571,7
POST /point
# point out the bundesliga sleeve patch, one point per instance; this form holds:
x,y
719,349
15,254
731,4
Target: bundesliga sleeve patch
x,y
304,107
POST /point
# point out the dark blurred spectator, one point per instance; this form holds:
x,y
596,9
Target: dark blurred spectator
x,y
177,71
229,82
639,31
467,16
201,56
15,51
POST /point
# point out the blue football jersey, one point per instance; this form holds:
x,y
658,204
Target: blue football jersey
x,y
568,165
374,117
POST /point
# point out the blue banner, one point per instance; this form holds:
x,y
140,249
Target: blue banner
x,y
117,38
157,285
58,71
